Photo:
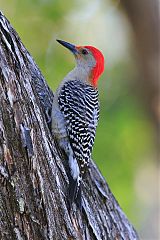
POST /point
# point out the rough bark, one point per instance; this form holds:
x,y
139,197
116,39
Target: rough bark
x,y
32,174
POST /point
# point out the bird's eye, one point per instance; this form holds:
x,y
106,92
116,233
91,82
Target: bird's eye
x,y
84,52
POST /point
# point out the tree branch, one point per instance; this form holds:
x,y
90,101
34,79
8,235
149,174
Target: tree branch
x,y
33,177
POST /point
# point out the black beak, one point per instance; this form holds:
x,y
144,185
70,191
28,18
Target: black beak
x,y
70,46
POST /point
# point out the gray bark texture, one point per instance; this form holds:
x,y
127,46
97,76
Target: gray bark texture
x,y
33,178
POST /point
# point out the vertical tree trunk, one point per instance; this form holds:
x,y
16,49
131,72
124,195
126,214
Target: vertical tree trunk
x,y
144,18
32,174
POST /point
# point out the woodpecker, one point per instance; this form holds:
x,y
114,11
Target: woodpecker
x,y
75,114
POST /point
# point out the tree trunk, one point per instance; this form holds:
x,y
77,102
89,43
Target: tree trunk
x,y
33,177
144,18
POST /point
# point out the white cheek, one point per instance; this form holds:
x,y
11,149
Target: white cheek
x,y
86,64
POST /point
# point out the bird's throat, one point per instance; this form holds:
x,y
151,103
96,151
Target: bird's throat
x,y
89,76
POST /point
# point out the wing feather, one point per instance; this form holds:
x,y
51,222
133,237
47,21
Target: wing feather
x,y
80,106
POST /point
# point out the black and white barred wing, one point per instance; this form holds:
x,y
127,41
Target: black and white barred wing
x,y
79,104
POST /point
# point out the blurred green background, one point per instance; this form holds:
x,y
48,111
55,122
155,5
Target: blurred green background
x,y
124,147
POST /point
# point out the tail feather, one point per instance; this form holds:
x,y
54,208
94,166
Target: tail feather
x,y
79,198
74,193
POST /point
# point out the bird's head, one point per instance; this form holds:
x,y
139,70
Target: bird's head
x,y
89,58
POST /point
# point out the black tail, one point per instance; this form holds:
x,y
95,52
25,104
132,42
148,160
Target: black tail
x,y
74,193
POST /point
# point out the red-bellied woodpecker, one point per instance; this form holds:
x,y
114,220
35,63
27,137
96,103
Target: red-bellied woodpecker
x,y
75,113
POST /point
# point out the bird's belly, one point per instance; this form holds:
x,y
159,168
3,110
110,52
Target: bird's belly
x,y
58,124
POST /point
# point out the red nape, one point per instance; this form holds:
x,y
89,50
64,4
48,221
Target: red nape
x,y
99,67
